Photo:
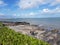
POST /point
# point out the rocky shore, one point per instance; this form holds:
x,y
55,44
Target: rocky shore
x,y
51,36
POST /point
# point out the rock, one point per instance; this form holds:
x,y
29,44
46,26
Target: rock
x,y
51,42
33,33
15,23
58,42
54,31
22,23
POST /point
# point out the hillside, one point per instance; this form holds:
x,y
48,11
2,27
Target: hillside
x,y
10,37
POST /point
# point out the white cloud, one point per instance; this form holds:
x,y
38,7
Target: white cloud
x,y
56,2
50,11
28,15
27,3
32,13
24,4
46,10
39,13
15,15
2,3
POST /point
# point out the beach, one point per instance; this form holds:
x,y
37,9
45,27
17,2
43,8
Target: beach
x,y
51,36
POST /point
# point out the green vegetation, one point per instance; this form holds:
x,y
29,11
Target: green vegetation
x,y
10,37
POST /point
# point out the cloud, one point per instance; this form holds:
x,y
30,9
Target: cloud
x,y
27,15
28,3
46,10
41,13
24,4
2,3
55,2
50,11
32,14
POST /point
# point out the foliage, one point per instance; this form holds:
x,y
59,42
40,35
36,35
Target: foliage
x,y
10,37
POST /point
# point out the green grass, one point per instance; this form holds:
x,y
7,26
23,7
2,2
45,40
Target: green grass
x,y
10,37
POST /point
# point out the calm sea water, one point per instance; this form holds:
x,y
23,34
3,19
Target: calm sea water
x,y
47,22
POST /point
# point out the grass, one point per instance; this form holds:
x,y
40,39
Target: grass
x,y
10,37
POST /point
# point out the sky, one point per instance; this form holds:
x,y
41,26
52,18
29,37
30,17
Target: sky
x,y
29,8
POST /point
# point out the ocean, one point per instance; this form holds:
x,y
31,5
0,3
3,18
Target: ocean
x,y
46,22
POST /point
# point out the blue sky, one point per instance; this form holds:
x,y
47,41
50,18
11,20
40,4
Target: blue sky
x,y
29,8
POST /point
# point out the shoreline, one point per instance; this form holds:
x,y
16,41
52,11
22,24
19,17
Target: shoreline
x,y
39,33
47,36
36,31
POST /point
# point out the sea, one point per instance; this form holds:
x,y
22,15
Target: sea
x,y
45,22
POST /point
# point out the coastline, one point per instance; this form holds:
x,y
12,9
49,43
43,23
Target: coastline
x,y
51,36
37,32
